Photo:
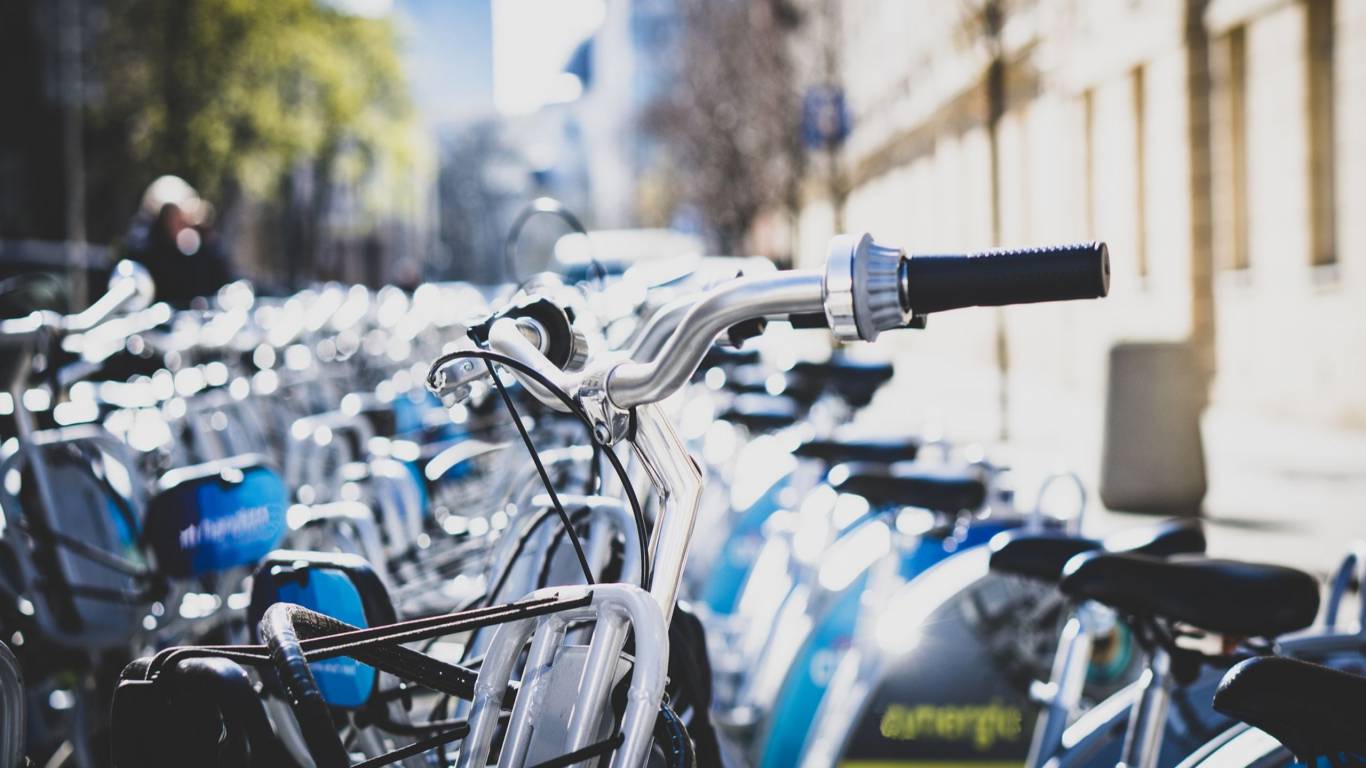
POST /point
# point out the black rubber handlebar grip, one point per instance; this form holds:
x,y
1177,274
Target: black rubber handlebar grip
x,y
934,283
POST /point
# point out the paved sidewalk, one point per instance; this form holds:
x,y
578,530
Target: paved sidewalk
x,y
1282,493
1278,492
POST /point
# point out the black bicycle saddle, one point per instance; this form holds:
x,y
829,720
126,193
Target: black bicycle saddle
x,y
850,370
938,489
853,381
759,413
1042,555
1222,596
196,711
875,450
1312,710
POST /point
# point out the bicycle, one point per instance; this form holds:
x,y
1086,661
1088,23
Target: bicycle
x,y
560,711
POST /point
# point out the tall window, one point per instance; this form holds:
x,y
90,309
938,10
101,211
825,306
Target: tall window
x,y
1229,73
1319,69
1138,84
1088,127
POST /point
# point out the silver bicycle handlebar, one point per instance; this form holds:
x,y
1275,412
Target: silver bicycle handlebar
x,y
638,383
130,290
865,288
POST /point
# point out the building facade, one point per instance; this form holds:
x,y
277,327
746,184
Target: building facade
x,y
1209,142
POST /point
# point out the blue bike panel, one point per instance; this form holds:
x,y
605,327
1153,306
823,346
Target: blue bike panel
x,y
457,471
802,691
741,548
212,522
344,682
342,586
409,423
420,483
407,416
932,549
126,537
795,708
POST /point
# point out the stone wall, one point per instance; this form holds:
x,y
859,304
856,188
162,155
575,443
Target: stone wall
x,y
1119,126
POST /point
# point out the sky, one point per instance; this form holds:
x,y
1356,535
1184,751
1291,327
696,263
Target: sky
x,y
471,58
448,52
369,8
532,41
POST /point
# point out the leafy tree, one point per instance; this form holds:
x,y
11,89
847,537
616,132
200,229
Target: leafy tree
x,y
245,97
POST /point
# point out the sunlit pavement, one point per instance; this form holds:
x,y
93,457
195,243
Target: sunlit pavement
x,y
1278,492
1284,494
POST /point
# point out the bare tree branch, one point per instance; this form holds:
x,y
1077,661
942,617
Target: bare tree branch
x,y
731,122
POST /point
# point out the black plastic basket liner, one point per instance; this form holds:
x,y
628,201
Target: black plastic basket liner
x,y
73,569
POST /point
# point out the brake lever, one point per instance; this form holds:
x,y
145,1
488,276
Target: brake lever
x,y
452,380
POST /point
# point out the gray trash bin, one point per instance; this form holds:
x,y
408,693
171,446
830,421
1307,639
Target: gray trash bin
x,y
1153,459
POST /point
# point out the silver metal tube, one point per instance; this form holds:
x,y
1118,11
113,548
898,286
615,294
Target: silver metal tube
x,y
660,328
489,688
678,481
610,603
506,338
793,292
599,673
648,672
130,289
24,330
533,692
1143,740
1063,692
675,475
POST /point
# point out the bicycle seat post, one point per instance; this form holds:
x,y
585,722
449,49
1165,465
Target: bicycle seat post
x,y
1143,738
1061,696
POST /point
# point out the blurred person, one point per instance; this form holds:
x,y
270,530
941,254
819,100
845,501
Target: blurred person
x,y
172,235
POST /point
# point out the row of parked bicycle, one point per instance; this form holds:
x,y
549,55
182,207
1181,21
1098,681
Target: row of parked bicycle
x,y
356,528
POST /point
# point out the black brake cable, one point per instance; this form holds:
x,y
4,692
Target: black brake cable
x,y
574,408
593,484
416,748
545,476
